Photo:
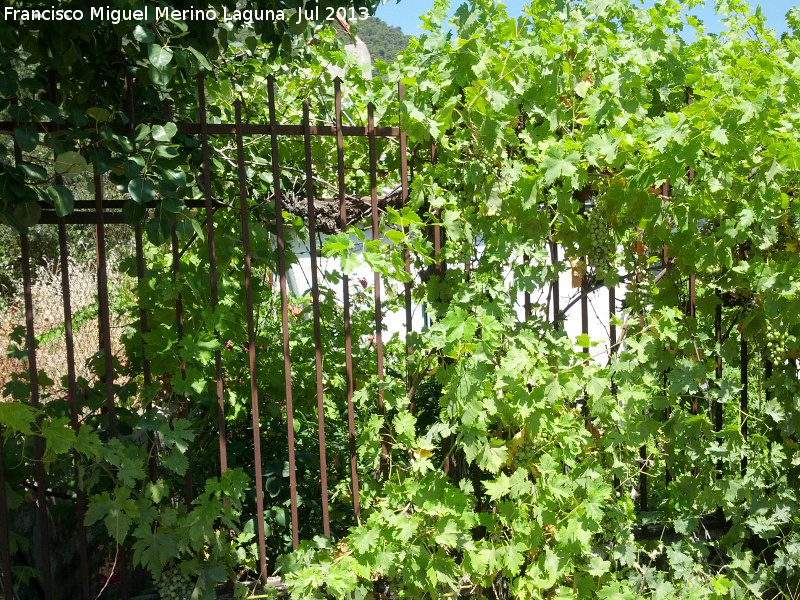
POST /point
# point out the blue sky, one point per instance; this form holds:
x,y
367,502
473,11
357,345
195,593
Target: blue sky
x,y
406,13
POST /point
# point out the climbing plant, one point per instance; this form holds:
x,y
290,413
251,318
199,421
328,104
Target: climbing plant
x,y
672,164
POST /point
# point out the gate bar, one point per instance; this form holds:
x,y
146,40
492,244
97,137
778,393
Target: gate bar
x,y
212,268
348,342
287,360
41,496
373,183
401,90
743,401
72,391
312,238
251,342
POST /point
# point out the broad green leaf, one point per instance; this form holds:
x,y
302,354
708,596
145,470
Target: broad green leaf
x,y
27,137
62,198
160,56
70,163
142,190
28,214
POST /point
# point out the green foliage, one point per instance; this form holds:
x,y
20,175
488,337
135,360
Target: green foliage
x,y
575,105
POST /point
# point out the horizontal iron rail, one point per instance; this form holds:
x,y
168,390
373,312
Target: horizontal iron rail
x,y
7,127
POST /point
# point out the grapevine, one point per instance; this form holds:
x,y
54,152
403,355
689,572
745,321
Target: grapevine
x,y
174,585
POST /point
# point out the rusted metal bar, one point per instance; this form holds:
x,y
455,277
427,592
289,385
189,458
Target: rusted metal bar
x,y
188,480
41,485
554,287
287,361
312,247
743,400
348,342
143,329
437,233
183,410
585,308
212,268
401,90
643,479
5,545
102,300
526,299
140,275
612,313
251,343
72,391
72,397
7,127
373,184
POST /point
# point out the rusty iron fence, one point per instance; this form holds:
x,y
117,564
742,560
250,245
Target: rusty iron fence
x,y
560,308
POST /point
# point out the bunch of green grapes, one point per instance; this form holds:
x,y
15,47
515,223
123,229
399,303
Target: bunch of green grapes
x,y
602,243
174,585
776,344
524,456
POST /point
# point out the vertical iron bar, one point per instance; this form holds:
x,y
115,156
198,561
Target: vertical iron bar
x,y
312,234
612,346
401,90
104,318
72,391
251,343
72,397
643,479
102,300
554,287
743,402
373,181
287,361
30,338
143,329
5,545
348,343
212,268
188,480
41,496
718,375
140,274
585,307
527,295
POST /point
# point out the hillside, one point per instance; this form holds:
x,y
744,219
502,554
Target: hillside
x,y
383,40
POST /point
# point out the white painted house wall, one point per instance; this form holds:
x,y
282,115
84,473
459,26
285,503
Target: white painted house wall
x,y
299,282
